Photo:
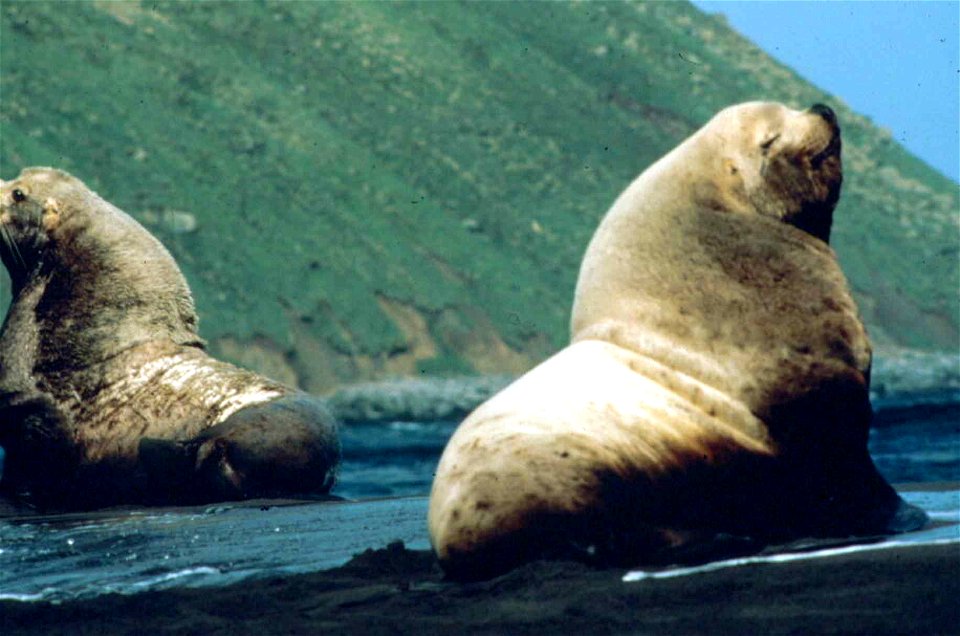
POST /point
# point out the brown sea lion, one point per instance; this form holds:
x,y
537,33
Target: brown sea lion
x,y
106,394
716,382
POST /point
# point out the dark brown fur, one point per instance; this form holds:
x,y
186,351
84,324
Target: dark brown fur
x,y
99,355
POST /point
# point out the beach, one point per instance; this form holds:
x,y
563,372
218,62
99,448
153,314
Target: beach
x,y
398,591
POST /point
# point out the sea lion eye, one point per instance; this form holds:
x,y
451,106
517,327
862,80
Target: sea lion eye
x,y
19,196
765,146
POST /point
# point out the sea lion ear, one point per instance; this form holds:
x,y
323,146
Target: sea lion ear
x,y
730,167
51,214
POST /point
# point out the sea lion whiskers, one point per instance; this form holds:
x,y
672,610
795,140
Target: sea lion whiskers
x,y
11,246
32,224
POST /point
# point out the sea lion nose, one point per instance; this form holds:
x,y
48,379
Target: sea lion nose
x,y
824,111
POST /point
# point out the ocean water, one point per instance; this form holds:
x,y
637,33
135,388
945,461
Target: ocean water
x,y
386,474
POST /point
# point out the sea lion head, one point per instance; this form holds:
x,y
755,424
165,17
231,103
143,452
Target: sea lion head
x,y
40,207
30,209
776,162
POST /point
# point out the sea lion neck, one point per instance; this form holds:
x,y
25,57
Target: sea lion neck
x,y
109,286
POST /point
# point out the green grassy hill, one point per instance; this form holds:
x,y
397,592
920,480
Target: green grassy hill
x,y
356,190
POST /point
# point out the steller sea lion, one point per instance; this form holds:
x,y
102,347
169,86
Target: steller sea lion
x,y
717,377
106,394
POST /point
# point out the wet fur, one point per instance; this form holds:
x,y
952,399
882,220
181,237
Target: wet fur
x,y
100,351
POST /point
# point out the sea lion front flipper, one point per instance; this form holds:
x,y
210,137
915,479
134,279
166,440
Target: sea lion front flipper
x,y
34,426
189,471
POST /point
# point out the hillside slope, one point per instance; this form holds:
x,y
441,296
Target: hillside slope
x,y
358,190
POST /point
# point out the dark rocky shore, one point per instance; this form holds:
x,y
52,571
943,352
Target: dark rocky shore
x,y
397,591
900,377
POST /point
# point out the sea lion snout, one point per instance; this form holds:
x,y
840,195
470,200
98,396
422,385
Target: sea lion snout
x,y
832,149
826,112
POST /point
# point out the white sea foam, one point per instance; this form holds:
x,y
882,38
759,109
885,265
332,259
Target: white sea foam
x,y
27,598
949,515
160,580
642,575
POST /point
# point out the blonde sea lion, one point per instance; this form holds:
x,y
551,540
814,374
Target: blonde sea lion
x,y
716,381
106,394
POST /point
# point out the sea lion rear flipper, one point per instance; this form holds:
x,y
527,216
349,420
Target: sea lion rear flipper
x,y
906,518
872,505
168,461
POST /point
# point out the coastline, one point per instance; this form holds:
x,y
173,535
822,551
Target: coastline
x,y
395,590
901,378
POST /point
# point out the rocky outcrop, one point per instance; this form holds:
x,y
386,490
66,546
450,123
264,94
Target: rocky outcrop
x,y
420,400
901,378
905,377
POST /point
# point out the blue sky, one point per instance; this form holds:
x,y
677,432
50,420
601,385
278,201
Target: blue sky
x,y
895,62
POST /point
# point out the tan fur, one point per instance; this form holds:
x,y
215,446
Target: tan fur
x,y
707,280
707,329
51,214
